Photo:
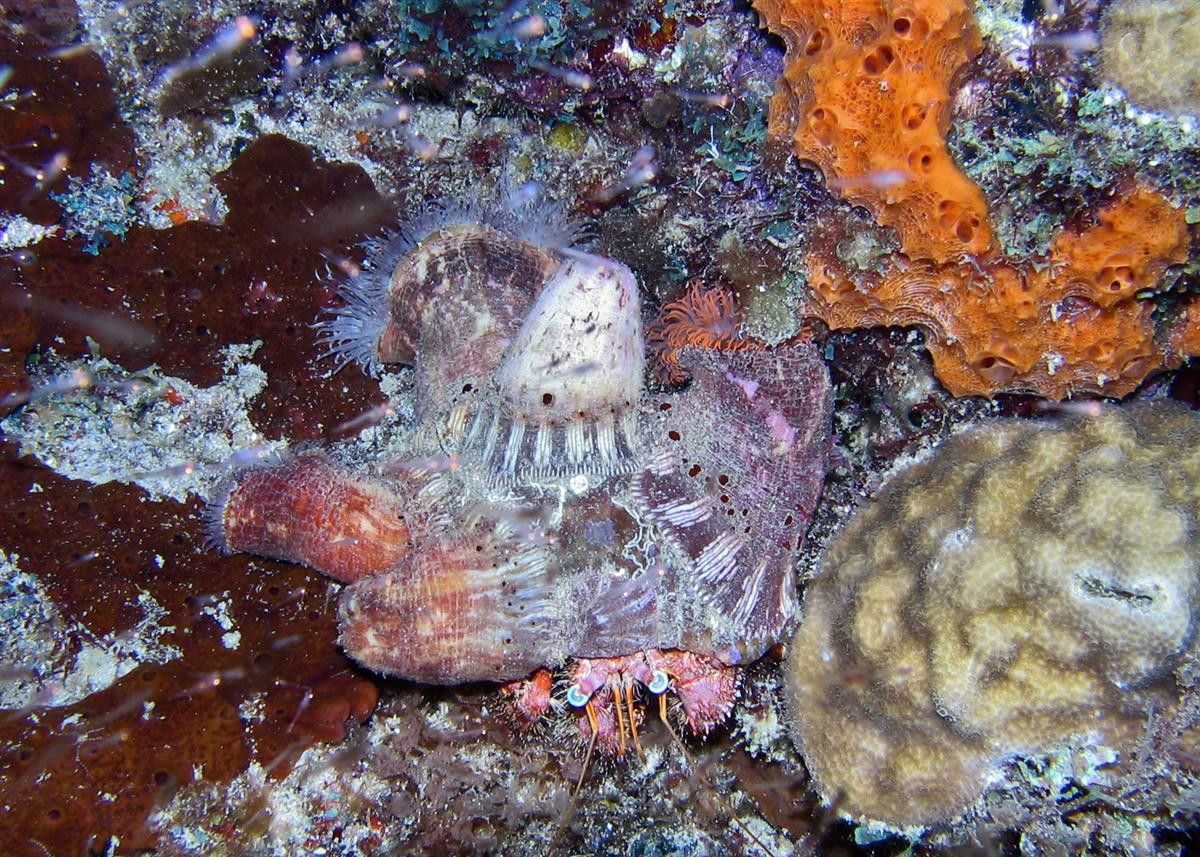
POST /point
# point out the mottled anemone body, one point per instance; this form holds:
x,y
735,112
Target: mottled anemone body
x,y
577,517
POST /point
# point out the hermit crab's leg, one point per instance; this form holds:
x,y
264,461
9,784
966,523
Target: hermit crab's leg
x,y
587,757
659,685
614,685
632,719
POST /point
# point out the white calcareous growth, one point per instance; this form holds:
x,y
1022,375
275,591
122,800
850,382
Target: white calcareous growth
x,y
575,366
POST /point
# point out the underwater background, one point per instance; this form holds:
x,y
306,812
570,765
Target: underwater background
x,y
940,254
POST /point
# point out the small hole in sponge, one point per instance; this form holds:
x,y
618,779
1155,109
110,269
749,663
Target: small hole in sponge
x,y
920,160
824,126
948,213
879,60
912,116
1115,279
547,398
816,41
910,27
995,369
954,218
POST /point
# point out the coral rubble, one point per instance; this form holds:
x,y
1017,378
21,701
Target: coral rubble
x,y
1028,587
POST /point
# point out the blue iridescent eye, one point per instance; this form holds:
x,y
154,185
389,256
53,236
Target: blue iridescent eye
x,y
576,697
658,683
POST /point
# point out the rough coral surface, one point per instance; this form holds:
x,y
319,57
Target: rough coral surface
x,y
866,96
1026,587
1151,49
1070,324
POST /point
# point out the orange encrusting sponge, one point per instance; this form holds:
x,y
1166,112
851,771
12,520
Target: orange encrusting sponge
x,y
1068,324
866,96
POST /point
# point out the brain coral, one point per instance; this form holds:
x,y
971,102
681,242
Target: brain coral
x,y
1151,49
1026,587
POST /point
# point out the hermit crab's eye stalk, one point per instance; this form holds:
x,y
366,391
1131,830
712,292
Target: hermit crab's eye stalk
x,y
659,683
576,697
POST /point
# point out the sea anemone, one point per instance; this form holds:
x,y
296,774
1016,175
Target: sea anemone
x,y
705,318
353,332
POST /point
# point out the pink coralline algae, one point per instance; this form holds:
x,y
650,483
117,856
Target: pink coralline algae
x,y
545,507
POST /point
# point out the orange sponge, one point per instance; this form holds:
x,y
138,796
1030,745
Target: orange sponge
x,y
1184,336
866,96
1068,324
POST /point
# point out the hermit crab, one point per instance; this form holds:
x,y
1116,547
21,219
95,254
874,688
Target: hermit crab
x,y
546,509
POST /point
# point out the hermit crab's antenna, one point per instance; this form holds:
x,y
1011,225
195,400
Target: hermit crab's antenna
x,y
662,713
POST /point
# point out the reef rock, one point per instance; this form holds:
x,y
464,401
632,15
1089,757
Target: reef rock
x,y
1026,588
